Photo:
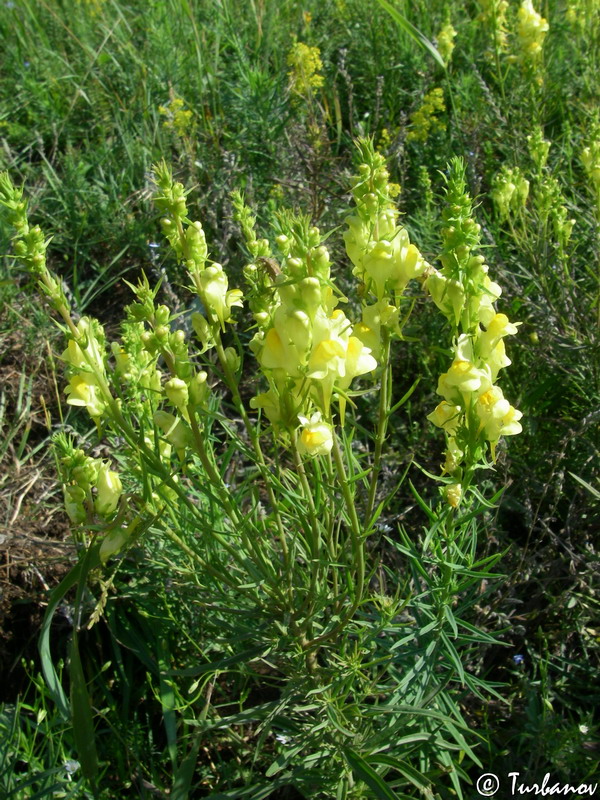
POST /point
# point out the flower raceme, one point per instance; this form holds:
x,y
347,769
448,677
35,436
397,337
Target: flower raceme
x,y
445,42
305,346
531,31
89,484
510,191
309,351
473,410
383,258
86,368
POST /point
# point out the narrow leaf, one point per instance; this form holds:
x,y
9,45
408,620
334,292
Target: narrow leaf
x,y
366,773
83,723
413,32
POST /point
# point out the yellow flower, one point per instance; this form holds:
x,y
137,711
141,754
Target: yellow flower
x,y
287,343
178,118
73,355
497,417
337,356
496,329
590,158
218,301
491,291
358,361
453,494
445,40
497,360
89,334
109,490
532,31
462,380
374,317
447,294
84,391
356,239
424,120
305,63
446,416
122,360
392,263
316,438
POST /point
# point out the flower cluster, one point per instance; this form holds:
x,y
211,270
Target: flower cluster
x,y
85,358
305,63
29,245
90,486
94,7
493,15
383,258
136,361
539,149
187,239
445,42
582,14
550,205
510,190
306,347
425,121
531,32
590,158
473,410
178,118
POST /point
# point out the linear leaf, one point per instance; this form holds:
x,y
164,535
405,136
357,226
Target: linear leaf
x,y
83,723
366,773
413,32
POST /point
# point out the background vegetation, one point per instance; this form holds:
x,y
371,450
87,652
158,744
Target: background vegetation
x,y
92,93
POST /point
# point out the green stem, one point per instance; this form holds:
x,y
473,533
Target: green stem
x,y
254,439
129,434
358,548
382,422
221,576
217,481
315,544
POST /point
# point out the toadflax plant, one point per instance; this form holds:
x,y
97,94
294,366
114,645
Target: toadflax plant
x,y
262,498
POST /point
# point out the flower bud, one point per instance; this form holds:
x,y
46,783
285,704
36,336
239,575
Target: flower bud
x,y
453,494
309,290
161,332
198,389
314,236
202,331
74,503
232,359
283,243
177,392
161,315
